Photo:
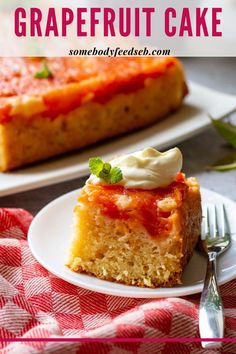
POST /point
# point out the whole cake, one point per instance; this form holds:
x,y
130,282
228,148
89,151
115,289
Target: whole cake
x,y
54,105
137,220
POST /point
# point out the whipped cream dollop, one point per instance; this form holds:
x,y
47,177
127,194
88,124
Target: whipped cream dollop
x,y
146,169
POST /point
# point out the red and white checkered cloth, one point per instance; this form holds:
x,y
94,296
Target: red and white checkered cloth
x,y
36,304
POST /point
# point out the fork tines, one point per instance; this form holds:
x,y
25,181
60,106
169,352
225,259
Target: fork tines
x,y
215,223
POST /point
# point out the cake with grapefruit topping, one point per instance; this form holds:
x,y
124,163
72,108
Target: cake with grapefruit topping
x,y
50,106
137,220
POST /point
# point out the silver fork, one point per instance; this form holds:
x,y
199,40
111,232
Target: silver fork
x,y
215,240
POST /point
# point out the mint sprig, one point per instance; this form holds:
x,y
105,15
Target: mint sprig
x,y
104,170
115,175
228,163
95,165
228,132
44,73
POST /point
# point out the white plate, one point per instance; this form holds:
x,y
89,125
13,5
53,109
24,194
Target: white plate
x,y
191,119
49,236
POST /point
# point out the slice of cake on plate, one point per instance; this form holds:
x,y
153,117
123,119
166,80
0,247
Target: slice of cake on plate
x,y
55,105
137,220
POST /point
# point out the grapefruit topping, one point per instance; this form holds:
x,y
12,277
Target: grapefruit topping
x,y
74,81
142,207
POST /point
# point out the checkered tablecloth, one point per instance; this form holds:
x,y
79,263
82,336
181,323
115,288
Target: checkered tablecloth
x,y
37,304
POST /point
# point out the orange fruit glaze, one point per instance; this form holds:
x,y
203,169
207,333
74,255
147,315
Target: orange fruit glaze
x,y
142,206
75,80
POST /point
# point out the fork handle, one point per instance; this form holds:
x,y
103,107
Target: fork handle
x,y
211,312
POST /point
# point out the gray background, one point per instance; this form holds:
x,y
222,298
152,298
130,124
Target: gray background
x,y
199,152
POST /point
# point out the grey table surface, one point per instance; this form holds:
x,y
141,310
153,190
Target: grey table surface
x,y
198,152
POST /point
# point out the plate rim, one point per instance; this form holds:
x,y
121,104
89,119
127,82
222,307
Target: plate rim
x,y
142,292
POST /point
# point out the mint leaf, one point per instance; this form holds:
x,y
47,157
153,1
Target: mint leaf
x,y
115,175
227,130
95,165
103,170
228,163
106,168
223,168
104,175
44,73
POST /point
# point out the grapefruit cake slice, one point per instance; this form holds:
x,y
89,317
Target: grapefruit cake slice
x,y
137,220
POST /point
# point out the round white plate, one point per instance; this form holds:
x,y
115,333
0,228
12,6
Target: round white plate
x,y
51,230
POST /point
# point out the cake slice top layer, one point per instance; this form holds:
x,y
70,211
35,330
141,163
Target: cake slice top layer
x,y
149,191
145,178
151,208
